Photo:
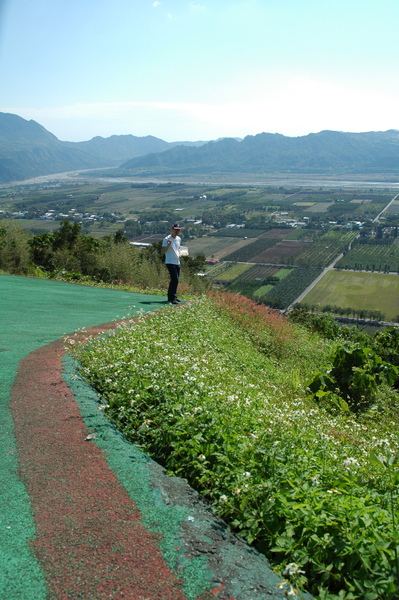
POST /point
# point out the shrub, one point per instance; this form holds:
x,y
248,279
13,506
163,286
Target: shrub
x,y
354,378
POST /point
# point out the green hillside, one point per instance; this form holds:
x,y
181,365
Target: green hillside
x,y
216,391
289,427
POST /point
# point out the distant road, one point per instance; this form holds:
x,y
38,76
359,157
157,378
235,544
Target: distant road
x,y
377,218
314,282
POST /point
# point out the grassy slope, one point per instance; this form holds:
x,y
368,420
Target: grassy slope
x,y
215,391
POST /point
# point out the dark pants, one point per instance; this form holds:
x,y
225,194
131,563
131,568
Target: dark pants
x,y
174,272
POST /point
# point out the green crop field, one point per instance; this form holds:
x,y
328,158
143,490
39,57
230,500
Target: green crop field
x,y
323,251
259,272
290,287
393,209
282,273
370,257
369,291
38,225
319,207
233,272
262,291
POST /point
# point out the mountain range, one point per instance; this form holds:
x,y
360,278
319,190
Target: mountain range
x,y
28,150
324,153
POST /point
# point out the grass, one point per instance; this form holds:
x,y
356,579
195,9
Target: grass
x,y
319,207
358,290
216,392
282,273
262,291
234,271
38,224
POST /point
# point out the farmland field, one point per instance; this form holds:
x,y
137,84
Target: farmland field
x,y
277,234
259,272
357,290
233,272
246,254
210,246
288,289
38,225
238,233
299,234
370,257
393,209
282,273
281,253
262,291
323,251
319,207
149,238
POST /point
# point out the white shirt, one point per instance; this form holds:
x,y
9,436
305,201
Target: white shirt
x,y
172,254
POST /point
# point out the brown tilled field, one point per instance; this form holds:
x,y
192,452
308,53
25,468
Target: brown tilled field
x,y
278,234
281,251
259,272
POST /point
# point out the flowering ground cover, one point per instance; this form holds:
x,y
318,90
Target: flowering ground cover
x,y
216,392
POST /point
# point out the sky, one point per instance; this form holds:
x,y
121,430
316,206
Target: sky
x,y
184,70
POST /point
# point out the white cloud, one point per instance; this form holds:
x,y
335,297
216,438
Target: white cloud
x,y
197,6
156,3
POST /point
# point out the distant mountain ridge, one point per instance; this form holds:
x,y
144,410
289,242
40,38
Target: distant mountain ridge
x,y
28,150
326,152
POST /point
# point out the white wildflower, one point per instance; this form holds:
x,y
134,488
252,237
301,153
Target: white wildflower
x,y
292,569
288,589
350,463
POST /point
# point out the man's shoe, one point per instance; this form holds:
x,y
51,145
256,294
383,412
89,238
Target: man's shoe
x,y
178,300
174,301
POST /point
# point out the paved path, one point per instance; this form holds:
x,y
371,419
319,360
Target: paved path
x,y
89,517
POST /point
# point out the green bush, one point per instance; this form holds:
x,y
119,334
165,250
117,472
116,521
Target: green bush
x,y
354,378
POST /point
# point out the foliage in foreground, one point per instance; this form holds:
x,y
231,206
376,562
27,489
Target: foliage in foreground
x,y
69,255
216,392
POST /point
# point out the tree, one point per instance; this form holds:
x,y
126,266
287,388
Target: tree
x,y
194,265
120,237
67,236
14,249
41,249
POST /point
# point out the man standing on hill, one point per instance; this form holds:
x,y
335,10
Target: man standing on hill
x,y
171,249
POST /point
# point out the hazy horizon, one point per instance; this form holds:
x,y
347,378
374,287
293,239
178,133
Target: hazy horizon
x,y
184,70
